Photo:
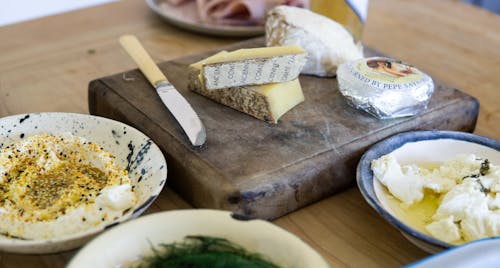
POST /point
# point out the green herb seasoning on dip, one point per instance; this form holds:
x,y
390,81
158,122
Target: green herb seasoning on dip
x,y
204,252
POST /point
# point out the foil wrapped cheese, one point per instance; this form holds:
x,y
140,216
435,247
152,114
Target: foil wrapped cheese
x,y
328,43
384,87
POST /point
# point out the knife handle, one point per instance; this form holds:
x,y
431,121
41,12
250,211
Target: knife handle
x,y
141,57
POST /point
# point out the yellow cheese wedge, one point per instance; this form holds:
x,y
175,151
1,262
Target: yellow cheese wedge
x,y
252,66
249,53
281,97
214,58
266,102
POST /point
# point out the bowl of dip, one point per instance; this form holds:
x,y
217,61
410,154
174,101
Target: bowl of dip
x,y
439,188
66,177
259,240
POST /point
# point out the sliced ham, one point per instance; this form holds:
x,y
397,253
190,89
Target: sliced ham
x,y
241,12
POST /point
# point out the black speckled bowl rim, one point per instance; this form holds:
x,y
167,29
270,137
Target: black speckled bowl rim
x,y
364,174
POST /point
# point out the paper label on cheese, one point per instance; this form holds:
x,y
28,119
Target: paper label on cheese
x,y
253,71
385,73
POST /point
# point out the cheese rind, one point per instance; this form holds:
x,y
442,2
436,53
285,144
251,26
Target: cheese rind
x,y
220,56
265,102
254,66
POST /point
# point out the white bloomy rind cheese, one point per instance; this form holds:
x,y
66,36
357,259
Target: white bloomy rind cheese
x,y
328,43
253,66
469,207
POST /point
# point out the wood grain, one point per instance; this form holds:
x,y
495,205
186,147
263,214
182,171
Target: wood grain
x,y
46,64
454,42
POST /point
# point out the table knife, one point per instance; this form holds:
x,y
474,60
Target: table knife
x,y
175,102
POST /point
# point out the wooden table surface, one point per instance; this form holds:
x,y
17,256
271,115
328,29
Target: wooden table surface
x,y
46,64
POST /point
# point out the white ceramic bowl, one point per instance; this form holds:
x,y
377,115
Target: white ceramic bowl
x,y
480,253
134,239
132,149
419,147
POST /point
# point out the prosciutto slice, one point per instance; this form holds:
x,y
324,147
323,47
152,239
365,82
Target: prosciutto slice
x,y
241,12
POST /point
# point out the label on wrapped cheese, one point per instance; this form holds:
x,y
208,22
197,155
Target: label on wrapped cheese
x,y
253,71
386,73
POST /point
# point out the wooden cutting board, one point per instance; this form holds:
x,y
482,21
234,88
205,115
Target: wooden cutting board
x,y
258,169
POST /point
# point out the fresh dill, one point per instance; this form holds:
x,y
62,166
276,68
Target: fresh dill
x,y
203,252
483,170
485,167
483,189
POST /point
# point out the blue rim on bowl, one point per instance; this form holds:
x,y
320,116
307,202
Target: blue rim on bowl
x,y
477,251
364,174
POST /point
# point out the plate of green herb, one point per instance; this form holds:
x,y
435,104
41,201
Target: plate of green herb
x,y
197,238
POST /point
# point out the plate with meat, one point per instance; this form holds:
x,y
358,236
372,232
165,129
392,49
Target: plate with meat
x,y
219,17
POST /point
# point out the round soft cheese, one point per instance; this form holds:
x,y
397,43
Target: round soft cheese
x,y
327,43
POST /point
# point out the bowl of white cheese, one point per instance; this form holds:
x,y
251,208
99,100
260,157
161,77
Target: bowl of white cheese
x,y
439,188
66,177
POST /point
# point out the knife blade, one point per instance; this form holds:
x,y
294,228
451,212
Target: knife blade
x,y
178,106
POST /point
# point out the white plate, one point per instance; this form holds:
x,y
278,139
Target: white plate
x,y
481,254
130,241
186,16
132,149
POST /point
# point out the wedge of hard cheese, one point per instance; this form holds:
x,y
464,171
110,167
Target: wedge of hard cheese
x,y
252,66
266,102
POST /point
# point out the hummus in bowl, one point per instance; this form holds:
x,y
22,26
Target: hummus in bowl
x,y
66,177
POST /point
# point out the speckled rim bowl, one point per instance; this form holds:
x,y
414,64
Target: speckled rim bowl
x,y
132,149
415,147
259,236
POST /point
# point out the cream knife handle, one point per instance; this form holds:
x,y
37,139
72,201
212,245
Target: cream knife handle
x,y
146,64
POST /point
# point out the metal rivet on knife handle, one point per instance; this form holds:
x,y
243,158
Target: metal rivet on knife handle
x,y
175,102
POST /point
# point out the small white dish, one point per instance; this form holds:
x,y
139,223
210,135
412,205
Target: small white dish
x,y
481,253
186,16
133,240
132,149
418,147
